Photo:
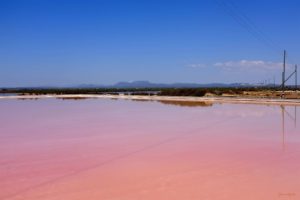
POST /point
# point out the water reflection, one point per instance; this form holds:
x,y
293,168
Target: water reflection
x,y
283,121
28,98
141,100
74,98
187,103
178,103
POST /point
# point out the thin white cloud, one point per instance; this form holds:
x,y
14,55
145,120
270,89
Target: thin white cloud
x,y
250,65
199,65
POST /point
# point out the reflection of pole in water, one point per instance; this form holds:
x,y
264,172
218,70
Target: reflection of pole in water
x,y
283,130
283,111
295,120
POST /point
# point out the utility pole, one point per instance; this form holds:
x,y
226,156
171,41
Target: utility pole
x,y
283,73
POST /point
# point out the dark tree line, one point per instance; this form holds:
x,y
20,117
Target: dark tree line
x,y
138,91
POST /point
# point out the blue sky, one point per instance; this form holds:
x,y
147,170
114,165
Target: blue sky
x,y
70,42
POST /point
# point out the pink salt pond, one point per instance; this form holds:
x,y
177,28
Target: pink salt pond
x,y
92,149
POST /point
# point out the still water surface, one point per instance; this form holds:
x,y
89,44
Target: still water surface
x,y
120,149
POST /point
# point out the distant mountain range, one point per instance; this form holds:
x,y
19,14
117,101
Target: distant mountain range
x,y
147,84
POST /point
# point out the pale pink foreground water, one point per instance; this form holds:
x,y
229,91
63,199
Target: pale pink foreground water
x,y
117,149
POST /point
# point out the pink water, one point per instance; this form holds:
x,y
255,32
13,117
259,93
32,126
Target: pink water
x,y
117,149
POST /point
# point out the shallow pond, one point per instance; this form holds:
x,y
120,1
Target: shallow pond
x,y
122,149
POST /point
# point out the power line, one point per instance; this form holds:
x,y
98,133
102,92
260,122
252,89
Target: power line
x,y
259,32
247,24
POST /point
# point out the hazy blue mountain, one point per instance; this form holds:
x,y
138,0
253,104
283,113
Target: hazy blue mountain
x,y
147,84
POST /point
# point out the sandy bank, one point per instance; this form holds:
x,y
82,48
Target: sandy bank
x,y
236,100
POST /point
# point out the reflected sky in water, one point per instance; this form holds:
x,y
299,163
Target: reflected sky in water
x,y
122,149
